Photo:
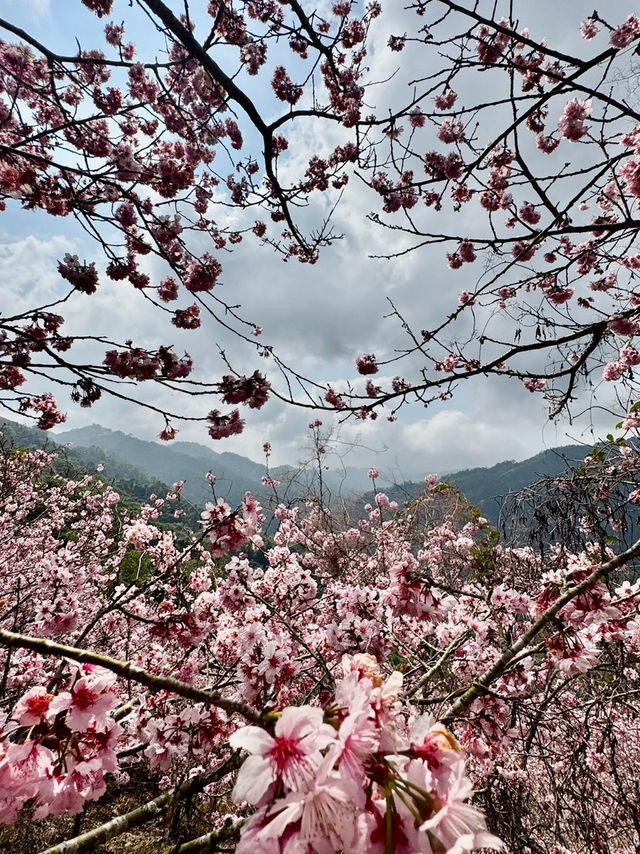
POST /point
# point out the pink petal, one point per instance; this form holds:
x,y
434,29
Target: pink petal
x,y
252,739
298,722
254,778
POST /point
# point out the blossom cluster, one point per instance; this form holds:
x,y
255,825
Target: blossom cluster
x,y
354,778
143,134
58,748
146,138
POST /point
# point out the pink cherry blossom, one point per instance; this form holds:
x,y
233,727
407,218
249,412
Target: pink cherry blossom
x,y
572,122
291,755
33,707
589,29
457,825
626,33
90,698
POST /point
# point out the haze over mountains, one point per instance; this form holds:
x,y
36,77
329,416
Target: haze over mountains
x,y
189,461
141,467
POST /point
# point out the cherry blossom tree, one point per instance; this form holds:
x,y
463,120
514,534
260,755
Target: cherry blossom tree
x,y
347,688
528,196
542,174
359,682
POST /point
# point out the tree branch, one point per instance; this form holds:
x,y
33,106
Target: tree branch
x,y
496,670
127,670
236,94
209,842
141,815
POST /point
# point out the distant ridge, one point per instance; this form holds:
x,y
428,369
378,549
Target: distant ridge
x,y
170,464
134,484
485,488
235,474
143,466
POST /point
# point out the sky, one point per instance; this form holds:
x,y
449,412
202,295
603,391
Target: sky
x,y
318,318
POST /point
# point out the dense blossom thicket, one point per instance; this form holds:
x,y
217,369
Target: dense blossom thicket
x,y
375,674
528,194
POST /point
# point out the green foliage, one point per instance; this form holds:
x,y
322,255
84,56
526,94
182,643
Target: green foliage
x,y
619,442
397,661
131,462
135,568
634,408
483,552
445,488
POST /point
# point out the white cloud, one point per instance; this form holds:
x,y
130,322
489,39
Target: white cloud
x,y
454,439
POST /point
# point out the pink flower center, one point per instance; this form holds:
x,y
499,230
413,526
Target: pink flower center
x,y
429,752
39,705
285,751
83,697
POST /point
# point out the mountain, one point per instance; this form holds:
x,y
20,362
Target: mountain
x,y
482,487
134,485
140,467
235,475
171,463
485,488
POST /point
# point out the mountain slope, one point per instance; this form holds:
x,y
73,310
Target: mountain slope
x,y
235,475
134,485
485,488
169,464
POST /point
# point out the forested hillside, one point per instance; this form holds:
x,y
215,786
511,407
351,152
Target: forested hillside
x,y
140,467
487,488
134,484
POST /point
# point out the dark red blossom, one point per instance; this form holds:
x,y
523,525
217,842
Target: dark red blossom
x,y
135,364
367,364
222,426
332,397
523,251
83,277
253,390
47,409
117,271
172,367
397,43
284,87
203,275
168,434
86,392
187,318
100,7
141,365
10,377
168,290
